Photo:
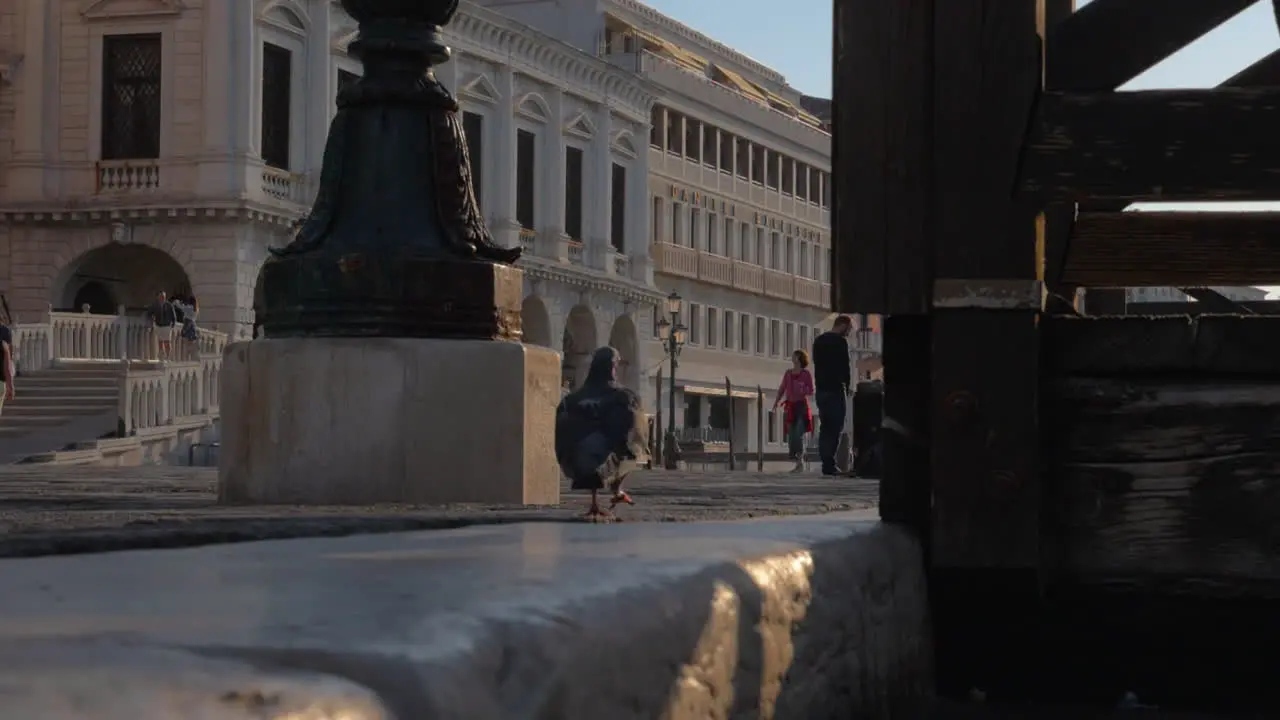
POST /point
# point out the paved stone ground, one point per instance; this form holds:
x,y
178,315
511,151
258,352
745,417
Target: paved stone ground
x,y
48,511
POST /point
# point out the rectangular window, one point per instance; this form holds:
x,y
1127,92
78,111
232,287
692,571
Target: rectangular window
x,y
473,128
761,253
772,418
618,208
788,260
655,126
675,133
771,171
813,185
713,243
658,216
526,169
804,259
742,159
695,229
345,80
573,193
775,337
710,153
802,181
790,339
826,191
788,176
744,243
713,328
726,151
277,91
727,338
677,227
131,75
695,324
692,139
729,225
760,335
775,251
744,333
757,164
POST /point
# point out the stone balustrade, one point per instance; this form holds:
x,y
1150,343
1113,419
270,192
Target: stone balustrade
x,y
153,392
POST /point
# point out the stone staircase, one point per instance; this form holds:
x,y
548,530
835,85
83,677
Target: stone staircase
x,y
56,407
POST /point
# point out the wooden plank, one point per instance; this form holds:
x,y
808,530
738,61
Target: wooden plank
x,y
1107,43
1158,249
1177,480
904,483
881,155
1154,145
984,438
1110,346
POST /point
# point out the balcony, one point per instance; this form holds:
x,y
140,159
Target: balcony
x,y
809,292
748,277
127,176
576,252
715,269
779,284
283,185
675,260
529,241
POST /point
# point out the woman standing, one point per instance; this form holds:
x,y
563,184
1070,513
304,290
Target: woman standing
x,y
793,394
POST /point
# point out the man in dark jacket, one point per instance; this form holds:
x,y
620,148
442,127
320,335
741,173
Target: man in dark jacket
x,y
831,388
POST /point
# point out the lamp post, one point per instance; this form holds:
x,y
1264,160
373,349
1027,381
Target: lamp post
x,y
671,332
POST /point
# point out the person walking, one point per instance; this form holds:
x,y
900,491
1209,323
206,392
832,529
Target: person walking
x,y
793,394
163,317
831,384
7,370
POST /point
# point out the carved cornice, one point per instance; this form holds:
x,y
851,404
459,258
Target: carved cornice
x,y
149,213
103,10
542,268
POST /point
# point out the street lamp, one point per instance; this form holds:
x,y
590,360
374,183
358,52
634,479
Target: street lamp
x,y
672,334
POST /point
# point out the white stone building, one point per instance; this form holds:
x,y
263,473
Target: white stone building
x,y
739,196
151,145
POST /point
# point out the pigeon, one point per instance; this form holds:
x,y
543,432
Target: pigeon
x,y
599,434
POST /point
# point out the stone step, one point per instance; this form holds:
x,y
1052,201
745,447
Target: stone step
x,y
58,379
66,411
67,389
34,421
100,400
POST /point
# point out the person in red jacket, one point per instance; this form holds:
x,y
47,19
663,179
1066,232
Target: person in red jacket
x,y
793,394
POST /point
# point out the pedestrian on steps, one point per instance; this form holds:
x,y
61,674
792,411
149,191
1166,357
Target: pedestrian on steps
x,y
832,383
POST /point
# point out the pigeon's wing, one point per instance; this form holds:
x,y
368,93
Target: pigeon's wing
x,y
566,432
626,425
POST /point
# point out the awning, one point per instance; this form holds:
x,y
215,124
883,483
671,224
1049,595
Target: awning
x,y
713,391
739,83
671,50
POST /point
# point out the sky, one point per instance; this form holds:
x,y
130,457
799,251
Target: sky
x,y
797,43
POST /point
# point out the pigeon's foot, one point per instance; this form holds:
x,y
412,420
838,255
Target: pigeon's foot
x,y
595,513
620,498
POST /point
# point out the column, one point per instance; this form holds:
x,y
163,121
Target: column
x,y
661,118
229,86
501,163
26,172
551,196
599,203
321,81
640,232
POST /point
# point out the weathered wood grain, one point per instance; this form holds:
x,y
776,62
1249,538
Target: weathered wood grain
x,y
882,155
1156,249
1107,43
984,440
904,487
1107,346
1168,479
1154,145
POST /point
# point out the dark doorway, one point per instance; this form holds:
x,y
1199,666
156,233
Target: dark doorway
x,y
97,296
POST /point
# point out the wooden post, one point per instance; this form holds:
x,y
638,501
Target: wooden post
x,y
759,429
728,393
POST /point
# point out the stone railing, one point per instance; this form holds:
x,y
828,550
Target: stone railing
x,y
153,392
675,259
747,276
621,265
715,268
283,185
778,284
127,176
575,252
529,241
168,393
809,292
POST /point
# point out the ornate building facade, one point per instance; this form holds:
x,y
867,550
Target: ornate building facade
x,y
164,145
739,199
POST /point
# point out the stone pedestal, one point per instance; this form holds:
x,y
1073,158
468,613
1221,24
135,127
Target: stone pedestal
x,y
348,421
